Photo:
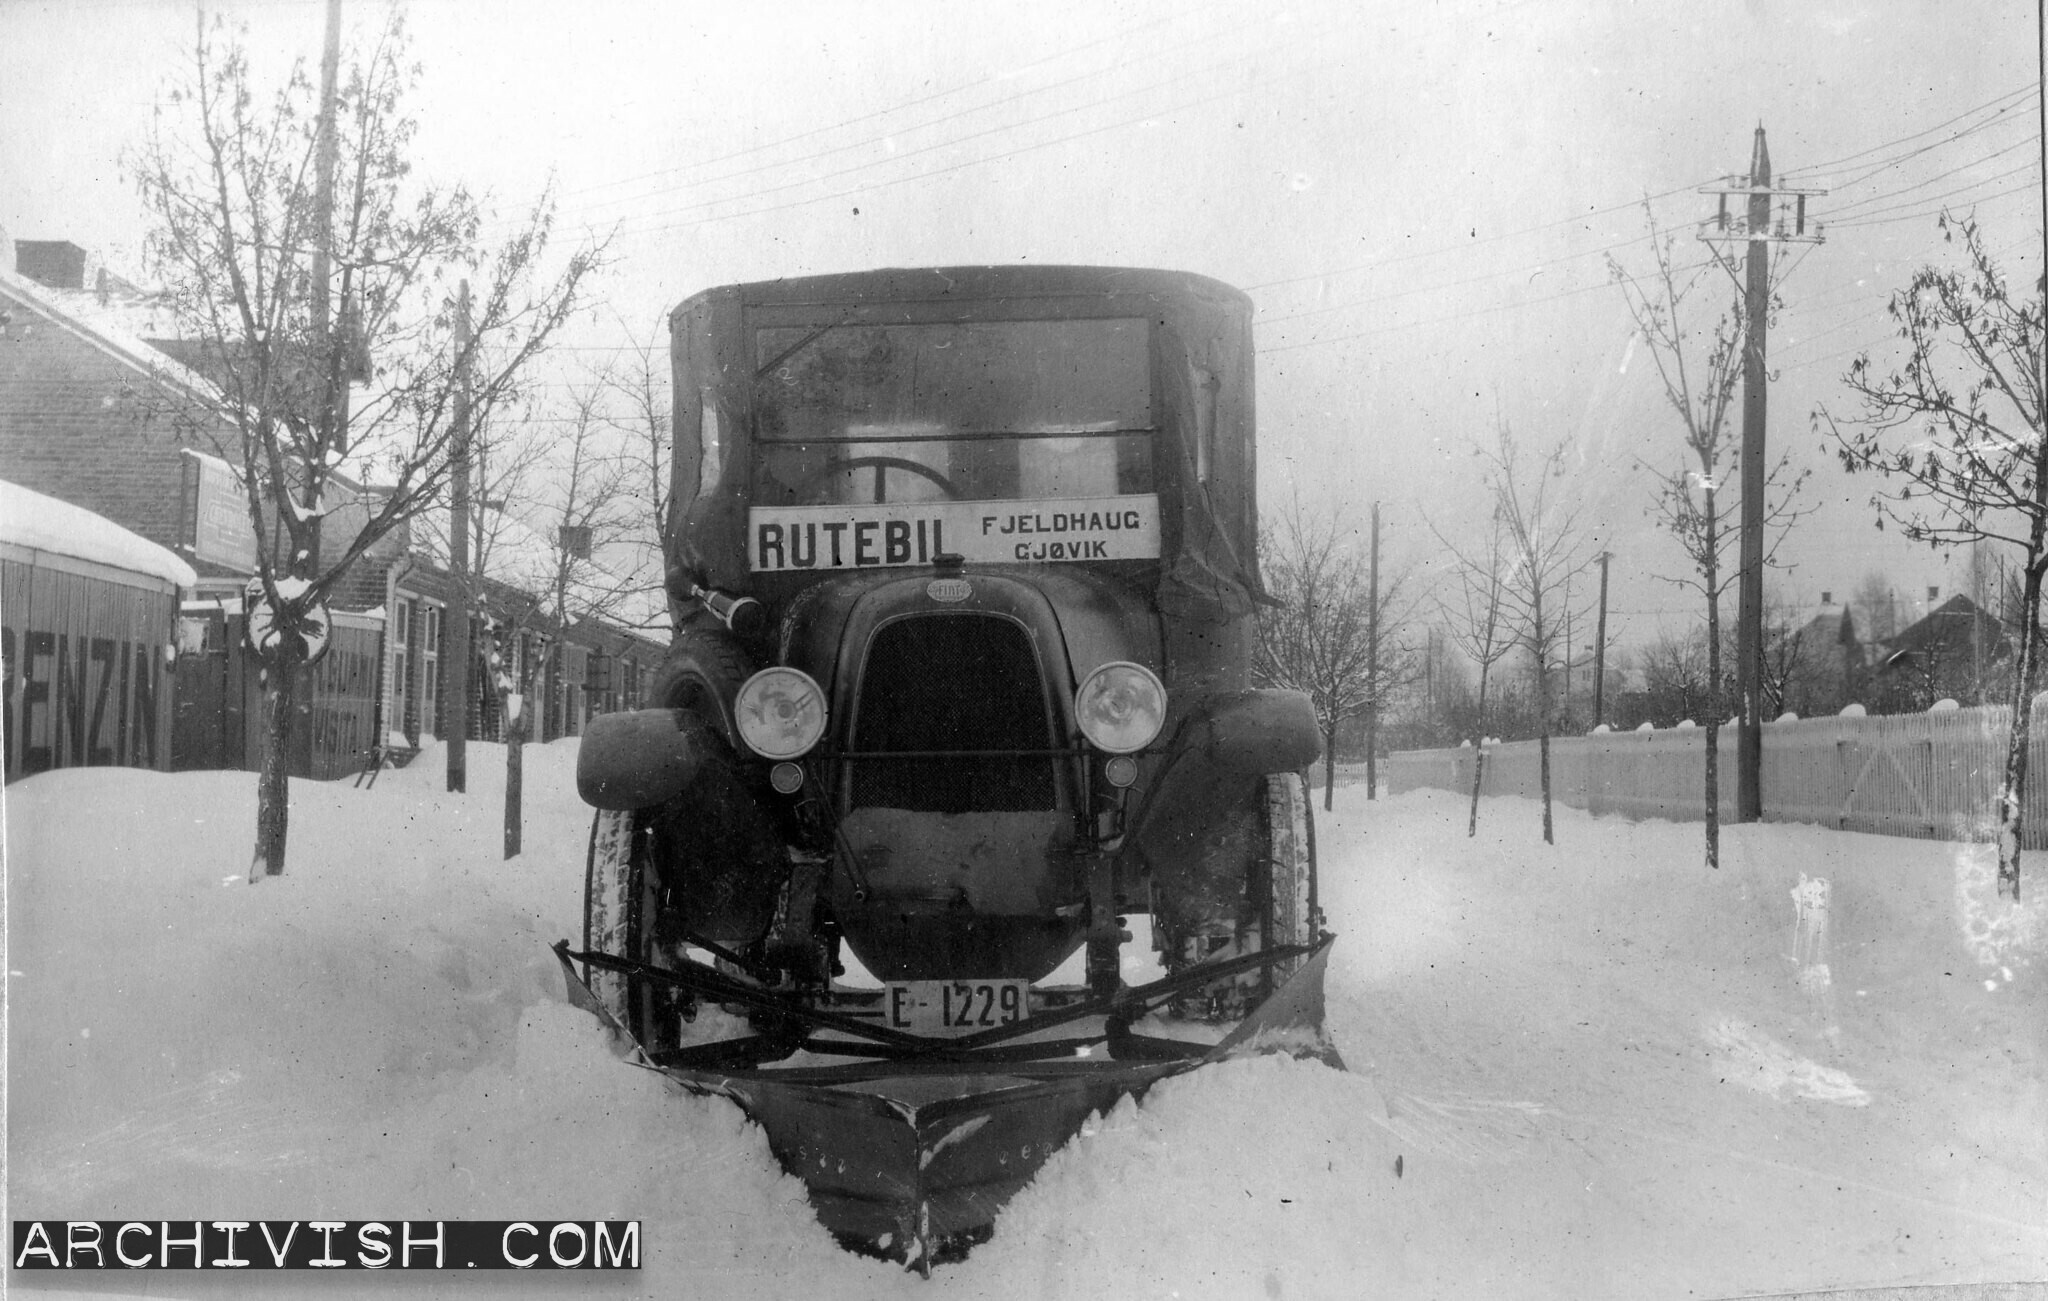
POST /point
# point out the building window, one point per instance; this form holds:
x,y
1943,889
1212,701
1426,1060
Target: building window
x,y
401,662
430,670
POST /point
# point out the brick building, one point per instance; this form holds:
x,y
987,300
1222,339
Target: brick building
x,y
93,415
96,409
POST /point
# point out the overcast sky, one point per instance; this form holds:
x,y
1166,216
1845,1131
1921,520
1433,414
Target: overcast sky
x,y
1419,196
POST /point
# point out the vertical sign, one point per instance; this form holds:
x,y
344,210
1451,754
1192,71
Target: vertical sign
x,y
220,514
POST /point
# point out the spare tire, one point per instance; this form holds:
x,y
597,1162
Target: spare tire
x,y
703,673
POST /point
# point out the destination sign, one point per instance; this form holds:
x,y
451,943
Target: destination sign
x,y
884,534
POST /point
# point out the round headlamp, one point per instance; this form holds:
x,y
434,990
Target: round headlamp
x,y
780,713
1120,707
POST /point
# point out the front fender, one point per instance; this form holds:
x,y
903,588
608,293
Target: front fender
x,y
1216,752
639,758
1254,732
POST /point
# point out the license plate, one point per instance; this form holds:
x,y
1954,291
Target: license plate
x,y
954,1007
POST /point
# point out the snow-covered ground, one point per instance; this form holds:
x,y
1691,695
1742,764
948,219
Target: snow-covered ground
x,y
1589,1070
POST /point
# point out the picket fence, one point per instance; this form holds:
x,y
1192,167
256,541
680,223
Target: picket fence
x,y
1932,776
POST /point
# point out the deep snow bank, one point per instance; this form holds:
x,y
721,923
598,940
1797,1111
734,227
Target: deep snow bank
x,y
1592,1069
1662,1079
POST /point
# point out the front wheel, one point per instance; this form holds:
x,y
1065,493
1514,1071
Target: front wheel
x,y
1289,891
622,915
1274,903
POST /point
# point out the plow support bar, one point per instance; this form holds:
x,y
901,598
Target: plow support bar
x,y
909,1152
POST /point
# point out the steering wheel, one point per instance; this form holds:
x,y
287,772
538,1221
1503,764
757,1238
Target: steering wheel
x,y
812,480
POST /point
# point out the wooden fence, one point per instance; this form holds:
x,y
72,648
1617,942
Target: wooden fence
x,y
1932,775
219,719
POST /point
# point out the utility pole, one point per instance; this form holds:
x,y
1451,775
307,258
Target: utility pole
x,y
1757,230
325,355
1600,650
1749,800
304,562
1372,668
455,724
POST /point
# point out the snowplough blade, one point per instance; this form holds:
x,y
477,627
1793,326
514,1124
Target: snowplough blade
x,y
910,1149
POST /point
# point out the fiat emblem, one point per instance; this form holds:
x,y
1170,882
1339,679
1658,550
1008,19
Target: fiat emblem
x,y
948,589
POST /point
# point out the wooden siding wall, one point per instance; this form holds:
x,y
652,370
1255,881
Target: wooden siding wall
x,y
345,696
1931,775
220,700
86,676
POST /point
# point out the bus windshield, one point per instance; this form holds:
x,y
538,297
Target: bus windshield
x,y
975,411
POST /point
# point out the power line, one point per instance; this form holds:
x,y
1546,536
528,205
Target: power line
x,y
1458,316
1469,244
919,126
2027,91
983,160
1872,219
2003,100
1997,119
2034,139
1348,304
1834,221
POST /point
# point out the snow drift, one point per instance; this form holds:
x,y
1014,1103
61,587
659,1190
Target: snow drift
x,y
1596,1069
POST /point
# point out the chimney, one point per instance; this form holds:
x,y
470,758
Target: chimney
x,y
56,263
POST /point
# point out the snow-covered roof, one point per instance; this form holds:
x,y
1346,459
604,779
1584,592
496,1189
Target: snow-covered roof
x,y
113,327
30,519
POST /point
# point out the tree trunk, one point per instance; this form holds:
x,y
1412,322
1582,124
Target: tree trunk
x,y
511,709
1540,643
1372,745
1478,776
273,778
2012,790
1479,749
1329,767
1711,566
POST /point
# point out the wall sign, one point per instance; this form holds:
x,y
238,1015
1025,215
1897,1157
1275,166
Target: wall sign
x,y
220,514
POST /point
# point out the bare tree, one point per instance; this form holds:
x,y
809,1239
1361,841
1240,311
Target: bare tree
x,y
1700,368
639,408
1318,640
1545,549
1875,606
1956,434
294,247
561,502
1786,655
592,508
1675,672
1477,620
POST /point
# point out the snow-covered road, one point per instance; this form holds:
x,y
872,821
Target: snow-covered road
x,y
1594,1069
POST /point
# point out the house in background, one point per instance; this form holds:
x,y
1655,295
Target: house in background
x,y
93,415
1958,652
1820,664
97,409
542,618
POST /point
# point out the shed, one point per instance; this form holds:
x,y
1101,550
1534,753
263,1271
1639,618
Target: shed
x,y
88,622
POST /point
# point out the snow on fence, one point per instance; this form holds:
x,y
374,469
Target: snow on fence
x,y
1931,775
